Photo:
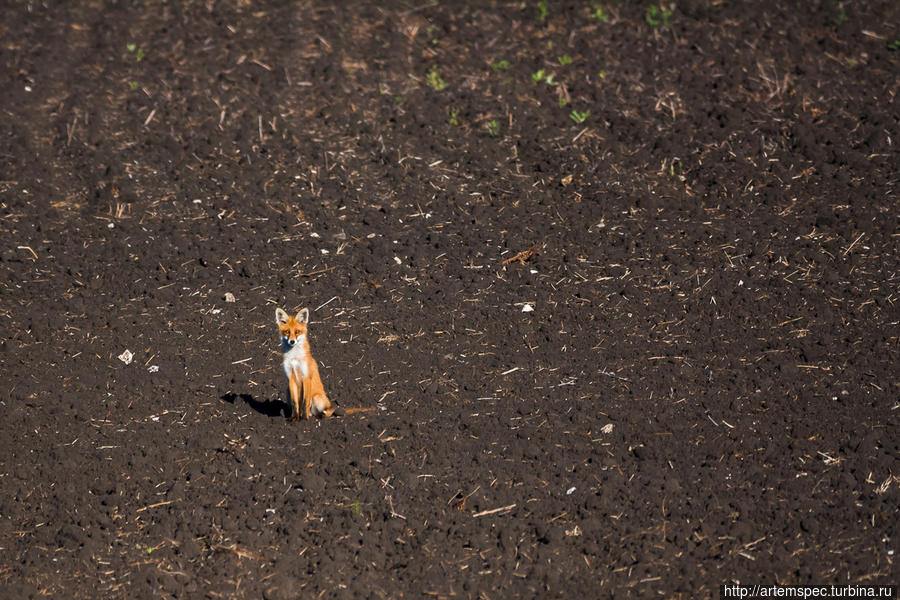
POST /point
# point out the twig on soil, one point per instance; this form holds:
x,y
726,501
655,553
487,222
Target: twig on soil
x,y
327,303
850,247
33,253
237,550
154,505
789,321
316,272
580,133
421,7
827,458
462,503
393,512
521,256
71,131
493,511
613,375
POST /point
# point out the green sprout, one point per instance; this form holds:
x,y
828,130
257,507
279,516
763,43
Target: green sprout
x,y
500,65
133,86
133,49
657,16
493,127
356,507
601,73
541,74
430,30
542,10
579,117
895,45
454,117
840,17
673,165
600,15
564,60
434,81
563,101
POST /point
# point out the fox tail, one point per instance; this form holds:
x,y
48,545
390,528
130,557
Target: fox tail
x,y
340,411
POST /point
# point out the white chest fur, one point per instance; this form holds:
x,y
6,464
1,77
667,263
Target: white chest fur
x,y
295,359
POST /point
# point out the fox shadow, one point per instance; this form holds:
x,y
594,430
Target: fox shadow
x,y
269,408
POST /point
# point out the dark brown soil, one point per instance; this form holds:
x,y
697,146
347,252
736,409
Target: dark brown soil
x,y
704,392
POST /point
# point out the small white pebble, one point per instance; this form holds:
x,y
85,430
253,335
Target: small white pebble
x,y
527,308
216,311
126,357
110,225
229,297
323,251
570,491
397,260
314,235
607,428
153,368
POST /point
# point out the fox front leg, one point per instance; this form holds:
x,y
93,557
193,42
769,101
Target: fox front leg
x,y
306,389
295,398
289,400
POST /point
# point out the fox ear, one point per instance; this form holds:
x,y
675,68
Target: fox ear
x,y
303,316
281,317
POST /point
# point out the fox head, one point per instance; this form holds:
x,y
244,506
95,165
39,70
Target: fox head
x,y
292,329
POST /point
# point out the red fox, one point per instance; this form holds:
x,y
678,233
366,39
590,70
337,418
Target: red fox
x,y
303,371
